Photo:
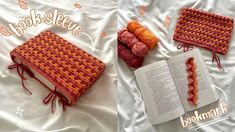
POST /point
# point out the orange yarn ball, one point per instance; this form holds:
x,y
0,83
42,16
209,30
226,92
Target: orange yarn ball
x,y
143,34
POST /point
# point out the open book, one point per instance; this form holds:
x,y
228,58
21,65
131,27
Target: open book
x,y
164,87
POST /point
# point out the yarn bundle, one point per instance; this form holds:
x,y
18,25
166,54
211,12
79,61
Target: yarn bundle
x,y
134,43
131,59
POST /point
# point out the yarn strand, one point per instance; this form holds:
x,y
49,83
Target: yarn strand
x,y
21,69
217,59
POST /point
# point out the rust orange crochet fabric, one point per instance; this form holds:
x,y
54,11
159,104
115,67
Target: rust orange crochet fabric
x,y
204,29
69,68
143,34
192,81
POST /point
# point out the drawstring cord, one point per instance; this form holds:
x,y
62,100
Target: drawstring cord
x,y
21,73
217,59
51,96
185,47
214,56
21,68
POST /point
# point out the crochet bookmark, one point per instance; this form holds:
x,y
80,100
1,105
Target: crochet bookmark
x,y
192,81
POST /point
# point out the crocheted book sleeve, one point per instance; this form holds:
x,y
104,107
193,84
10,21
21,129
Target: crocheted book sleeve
x,y
69,68
204,29
192,81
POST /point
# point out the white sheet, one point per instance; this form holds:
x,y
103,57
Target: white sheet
x,y
131,110
96,110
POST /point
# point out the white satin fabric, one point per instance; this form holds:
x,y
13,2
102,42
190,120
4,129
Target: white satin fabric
x,y
96,110
131,110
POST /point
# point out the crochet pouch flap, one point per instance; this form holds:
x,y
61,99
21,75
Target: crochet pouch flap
x,y
203,29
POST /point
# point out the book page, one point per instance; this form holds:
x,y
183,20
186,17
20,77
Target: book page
x,y
206,94
159,92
